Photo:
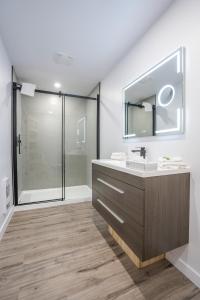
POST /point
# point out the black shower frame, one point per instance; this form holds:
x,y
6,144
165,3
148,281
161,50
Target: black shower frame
x,y
16,86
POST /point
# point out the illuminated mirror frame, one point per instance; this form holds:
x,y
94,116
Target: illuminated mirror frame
x,y
179,129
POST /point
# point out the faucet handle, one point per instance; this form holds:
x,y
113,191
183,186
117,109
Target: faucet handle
x,y
137,147
143,152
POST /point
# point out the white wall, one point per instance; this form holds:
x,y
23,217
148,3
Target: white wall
x,y
179,26
5,122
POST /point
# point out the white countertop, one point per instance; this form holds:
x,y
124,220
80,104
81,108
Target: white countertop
x,y
121,166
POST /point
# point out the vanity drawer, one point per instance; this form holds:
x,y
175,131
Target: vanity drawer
x,y
130,179
131,232
127,198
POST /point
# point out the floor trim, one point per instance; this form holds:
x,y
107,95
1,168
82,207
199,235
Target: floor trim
x,y
50,204
6,222
185,268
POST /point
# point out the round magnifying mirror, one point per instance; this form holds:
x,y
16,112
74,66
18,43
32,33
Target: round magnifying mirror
x,y
166,95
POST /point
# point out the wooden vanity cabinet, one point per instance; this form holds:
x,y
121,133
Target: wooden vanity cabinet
x,y
149,214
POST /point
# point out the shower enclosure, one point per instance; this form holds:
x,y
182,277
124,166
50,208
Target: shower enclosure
x,y
55,137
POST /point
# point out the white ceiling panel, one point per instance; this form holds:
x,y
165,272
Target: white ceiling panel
x,y
96,33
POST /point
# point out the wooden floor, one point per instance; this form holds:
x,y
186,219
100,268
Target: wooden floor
x,y
66,253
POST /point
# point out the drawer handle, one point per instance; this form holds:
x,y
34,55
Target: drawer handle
x,y
111,212
110,185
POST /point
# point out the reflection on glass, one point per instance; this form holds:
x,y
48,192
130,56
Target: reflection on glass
x,y
80,143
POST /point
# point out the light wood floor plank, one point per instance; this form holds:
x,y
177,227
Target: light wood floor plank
x,y
66,253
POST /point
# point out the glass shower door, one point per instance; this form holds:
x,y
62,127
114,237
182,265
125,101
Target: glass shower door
x,y
80,146
39,148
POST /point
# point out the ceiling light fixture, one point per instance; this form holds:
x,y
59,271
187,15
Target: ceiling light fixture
x,y
57,85
62,58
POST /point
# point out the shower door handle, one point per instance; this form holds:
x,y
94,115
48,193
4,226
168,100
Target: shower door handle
x,y
19,141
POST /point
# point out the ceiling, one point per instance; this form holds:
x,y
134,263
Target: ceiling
x,y
96,33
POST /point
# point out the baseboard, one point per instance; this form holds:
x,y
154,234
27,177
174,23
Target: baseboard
x,y
184,268
6,222
51,204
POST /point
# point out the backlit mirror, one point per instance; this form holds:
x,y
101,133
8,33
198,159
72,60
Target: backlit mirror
x,y
153,104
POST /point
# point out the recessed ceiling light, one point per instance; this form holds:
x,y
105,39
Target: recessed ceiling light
x,y
57,85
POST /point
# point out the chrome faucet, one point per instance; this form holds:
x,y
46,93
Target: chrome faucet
x,y
141,150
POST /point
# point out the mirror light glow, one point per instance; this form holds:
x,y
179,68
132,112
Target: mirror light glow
x,y
179,67
161,92
177,128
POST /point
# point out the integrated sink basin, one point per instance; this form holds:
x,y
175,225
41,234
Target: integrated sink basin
x,y
141,165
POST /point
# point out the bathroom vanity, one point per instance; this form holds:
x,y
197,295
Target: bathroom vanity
x,y
147,211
